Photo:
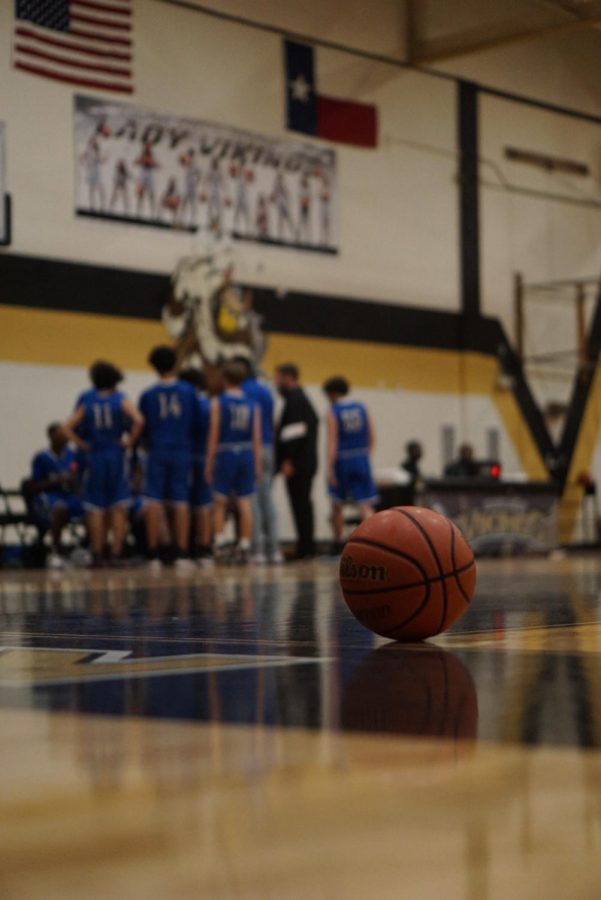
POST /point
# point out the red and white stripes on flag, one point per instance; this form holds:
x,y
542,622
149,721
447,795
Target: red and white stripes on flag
x,y
87,43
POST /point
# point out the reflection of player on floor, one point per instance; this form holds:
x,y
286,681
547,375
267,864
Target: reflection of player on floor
x,y
350,442
171,200
145,187
214,197
192,178
242,179
262,217
92,158
304,210
120,179
281,197
324,211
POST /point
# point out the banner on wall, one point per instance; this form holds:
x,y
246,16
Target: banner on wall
x,y
501,520
145,168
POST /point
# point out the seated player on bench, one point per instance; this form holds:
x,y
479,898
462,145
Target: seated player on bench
x,y
53,488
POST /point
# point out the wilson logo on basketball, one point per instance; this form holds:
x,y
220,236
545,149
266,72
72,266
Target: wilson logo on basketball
x,y
350,569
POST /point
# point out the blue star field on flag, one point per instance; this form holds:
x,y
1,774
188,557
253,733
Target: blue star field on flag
x,y
53,14
301,98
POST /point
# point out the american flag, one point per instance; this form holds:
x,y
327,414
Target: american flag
x,y
83,42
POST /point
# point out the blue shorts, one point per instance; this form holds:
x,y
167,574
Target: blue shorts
x,y
355,481
45,503
167,477
136,509
234,473
200,492
105,481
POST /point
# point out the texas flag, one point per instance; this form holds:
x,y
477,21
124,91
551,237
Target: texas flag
x,y
307,111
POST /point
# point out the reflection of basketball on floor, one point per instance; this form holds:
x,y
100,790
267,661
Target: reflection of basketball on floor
x,y
407,573
419,691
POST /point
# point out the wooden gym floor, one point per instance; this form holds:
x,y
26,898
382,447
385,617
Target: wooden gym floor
x,y
239,735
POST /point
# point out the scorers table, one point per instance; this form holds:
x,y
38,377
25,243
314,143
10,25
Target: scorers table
x,y
499,518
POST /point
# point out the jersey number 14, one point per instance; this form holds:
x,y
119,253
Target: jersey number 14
x,y
169,406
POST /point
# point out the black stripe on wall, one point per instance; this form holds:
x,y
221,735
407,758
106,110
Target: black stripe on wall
x,y
73,287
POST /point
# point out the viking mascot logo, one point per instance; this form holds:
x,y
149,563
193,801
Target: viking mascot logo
x,y
210,318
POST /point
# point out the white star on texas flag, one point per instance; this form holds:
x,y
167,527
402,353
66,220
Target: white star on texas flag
x,y
300,88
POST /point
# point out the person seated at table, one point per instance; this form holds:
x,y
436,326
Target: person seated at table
x,y
53,487
465,466
411,463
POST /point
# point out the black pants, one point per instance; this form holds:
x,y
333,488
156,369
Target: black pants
x,y
299,492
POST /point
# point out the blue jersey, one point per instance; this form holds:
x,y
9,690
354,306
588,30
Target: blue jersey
x,y
170,409
83,397
200,432
236,421
104,422
46,463
263,398
353,428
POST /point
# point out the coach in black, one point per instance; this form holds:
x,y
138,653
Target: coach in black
x,y
296,449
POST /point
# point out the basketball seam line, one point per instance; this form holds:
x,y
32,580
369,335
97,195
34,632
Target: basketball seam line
x,y
369,543
455,570
413,584
426,537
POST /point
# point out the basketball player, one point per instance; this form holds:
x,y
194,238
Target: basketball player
x,y
281,197
265,540
171,200
145,187
233,459
242,178
120,178
53,486
92,158
192,179
262,218
104,425
304,210
201,498
324,211
350,442
170,412
214,181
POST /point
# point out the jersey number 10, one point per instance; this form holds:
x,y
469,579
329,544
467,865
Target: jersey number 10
x,y
239,417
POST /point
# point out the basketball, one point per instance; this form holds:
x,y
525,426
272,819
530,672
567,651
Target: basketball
x,y
407,573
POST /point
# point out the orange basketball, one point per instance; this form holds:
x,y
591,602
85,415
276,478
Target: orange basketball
x,y
407,573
